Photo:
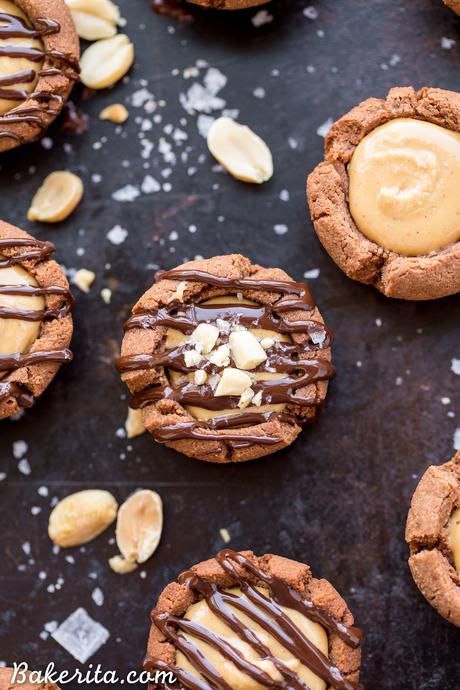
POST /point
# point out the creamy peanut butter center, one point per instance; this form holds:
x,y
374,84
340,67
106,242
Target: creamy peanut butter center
x,y
18,73
403,191
237,679
235,351
17,335
454,537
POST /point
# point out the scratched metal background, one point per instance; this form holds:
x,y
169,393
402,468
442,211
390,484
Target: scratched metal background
x,y
336,499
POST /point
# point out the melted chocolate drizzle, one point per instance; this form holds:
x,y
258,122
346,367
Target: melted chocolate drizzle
x,y
37,251
262,607
12,26
290,359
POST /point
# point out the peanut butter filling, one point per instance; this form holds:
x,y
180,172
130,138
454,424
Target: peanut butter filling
x,y
175,338
454,537
403,191
17,335
18,75
201,614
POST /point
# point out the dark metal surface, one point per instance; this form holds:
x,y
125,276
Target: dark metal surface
x,y
338,498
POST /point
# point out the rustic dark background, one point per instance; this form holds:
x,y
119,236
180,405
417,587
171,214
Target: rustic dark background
x,y
338,498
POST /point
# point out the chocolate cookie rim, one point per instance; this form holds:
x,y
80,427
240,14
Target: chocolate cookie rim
x,y
432,550
359,257
32,255
35,112
247,571
291,297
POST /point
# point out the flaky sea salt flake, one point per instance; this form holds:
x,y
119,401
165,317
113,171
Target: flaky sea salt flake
x,y
80,635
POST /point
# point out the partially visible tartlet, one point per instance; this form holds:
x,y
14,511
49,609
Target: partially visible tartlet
x,y
38,66
433,535
35,319
245,622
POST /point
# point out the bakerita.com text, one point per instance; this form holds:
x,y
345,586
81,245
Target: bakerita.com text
x,y
92,675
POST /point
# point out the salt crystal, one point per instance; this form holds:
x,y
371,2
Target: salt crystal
x,y
24,466
280,229
457,439
19,449
214,80
325,127
311,274
261,17
127,193
140,97
117,235
259,92
42,491
284,195
150,185
81,636
35,510
311,12
455,366
199,99
447,43
204,123
97,596
2,476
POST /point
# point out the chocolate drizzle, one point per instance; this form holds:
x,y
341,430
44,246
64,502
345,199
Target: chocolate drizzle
x,y
294,360
36,251
45,103
264,595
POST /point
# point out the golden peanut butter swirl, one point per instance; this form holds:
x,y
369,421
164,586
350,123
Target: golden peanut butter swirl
x,y
23,310
22,54
260,633
211,384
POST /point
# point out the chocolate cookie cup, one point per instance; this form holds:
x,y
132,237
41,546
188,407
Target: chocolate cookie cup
x,y
433,535
453,4
384,202
226,359
238,621
35,320
39,53
228,4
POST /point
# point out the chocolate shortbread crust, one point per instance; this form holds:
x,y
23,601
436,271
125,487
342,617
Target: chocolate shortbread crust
x,y
55,333
178,596
453,4
413,278
59,74
431,560
169,412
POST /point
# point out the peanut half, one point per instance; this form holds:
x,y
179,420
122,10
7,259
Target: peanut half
x,y
242,152
106,62
57,198
139,526
116,112
94,19
81,517
134,425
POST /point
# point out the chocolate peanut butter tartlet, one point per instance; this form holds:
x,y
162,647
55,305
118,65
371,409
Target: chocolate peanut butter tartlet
x,y
433,534
385,201
39,53
35,320
242,622
226,359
